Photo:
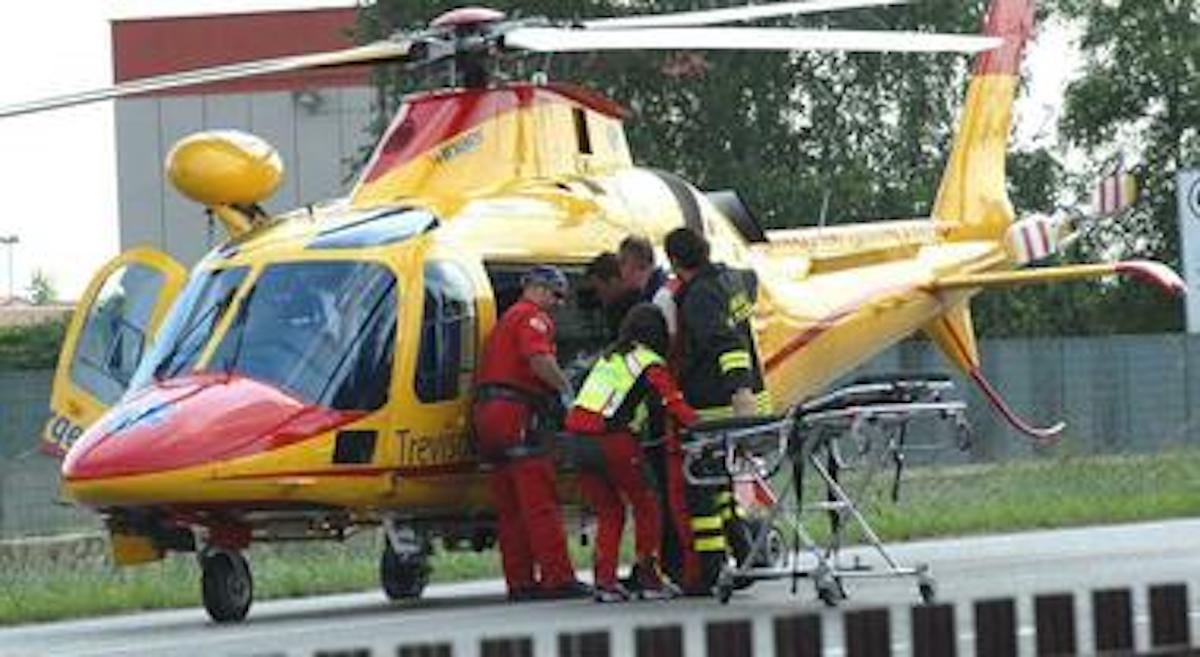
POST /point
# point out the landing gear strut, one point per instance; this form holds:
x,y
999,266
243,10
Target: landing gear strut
x,y
404,566
227,585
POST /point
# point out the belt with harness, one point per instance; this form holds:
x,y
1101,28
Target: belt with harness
x,y
544,419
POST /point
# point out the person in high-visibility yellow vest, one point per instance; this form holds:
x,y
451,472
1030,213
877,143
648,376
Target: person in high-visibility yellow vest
x,y
610,407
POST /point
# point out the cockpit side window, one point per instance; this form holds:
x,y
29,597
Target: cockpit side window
x,y
114,333
446,359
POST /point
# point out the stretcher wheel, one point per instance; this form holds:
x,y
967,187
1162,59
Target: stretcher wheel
x,y
928,592
723,589
830,591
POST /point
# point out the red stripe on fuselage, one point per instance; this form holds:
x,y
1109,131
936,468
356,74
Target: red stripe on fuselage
x,y
195,420
427,120
814,331
1012,20
406,471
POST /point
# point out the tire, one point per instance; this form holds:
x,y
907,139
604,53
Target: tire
x,y
743,537
227,586
402,578
928,593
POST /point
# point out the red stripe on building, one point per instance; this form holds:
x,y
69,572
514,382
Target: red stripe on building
x,y
158,46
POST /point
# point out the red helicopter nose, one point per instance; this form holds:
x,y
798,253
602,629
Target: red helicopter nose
x,y
192,421
467,16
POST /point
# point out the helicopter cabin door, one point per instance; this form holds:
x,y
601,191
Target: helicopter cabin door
x,y
111,329
580,328
447,350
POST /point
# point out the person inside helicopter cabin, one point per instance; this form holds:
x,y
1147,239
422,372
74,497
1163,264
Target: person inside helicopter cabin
x,y
610,409
603,275
651,283
721,377
518,381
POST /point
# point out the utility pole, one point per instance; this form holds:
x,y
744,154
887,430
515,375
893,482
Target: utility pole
x,y
10,241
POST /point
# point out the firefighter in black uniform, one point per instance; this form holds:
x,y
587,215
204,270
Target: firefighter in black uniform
x,y
720,374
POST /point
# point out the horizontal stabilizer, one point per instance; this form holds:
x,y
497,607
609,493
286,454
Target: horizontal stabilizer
x,y
1149,271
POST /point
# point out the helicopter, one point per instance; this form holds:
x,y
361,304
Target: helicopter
x,y
311,375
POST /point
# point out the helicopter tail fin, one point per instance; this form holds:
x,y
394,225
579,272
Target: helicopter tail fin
x,y
954,333
972,200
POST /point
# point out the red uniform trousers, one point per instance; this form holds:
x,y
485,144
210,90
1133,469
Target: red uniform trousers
x,y
529,525
624,480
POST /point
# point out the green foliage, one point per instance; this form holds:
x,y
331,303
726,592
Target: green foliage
x,y
41,289
1139,95
858,135
32,347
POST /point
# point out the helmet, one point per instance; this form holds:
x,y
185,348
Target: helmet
x,y
547,276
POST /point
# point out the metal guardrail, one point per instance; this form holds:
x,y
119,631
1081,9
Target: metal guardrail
x,y
931,631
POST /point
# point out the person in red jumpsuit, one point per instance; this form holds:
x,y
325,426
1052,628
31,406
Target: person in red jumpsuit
x,y
518,380
610,409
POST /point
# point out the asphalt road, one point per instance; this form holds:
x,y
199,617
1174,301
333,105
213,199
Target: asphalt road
x,y
1012,566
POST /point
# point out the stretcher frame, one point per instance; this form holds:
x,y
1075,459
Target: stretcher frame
x,y
869,419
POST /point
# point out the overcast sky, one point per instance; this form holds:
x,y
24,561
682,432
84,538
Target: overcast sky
x,y
57,170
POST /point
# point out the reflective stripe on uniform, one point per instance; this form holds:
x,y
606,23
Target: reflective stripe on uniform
x,y
762,405
738,359
707,523
710,543
714,413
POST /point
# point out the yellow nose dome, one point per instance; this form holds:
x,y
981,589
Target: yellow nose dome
x,y
224,167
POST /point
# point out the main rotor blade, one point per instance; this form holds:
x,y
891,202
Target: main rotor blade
x,y
548,39
372,52
734,14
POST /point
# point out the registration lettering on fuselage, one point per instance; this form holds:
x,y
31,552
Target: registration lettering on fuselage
x,y
425,450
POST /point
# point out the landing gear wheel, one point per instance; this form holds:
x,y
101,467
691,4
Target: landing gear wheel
x,y
227,586
402,577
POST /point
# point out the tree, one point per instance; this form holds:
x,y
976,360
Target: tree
x,y
41,289
1139,94
799,135
804,137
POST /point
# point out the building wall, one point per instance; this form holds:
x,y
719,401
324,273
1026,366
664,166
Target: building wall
x,y
320,134
316,119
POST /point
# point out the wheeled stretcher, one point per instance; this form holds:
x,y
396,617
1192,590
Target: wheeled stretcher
x,y
788,473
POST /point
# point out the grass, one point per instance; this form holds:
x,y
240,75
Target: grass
x,y
936,501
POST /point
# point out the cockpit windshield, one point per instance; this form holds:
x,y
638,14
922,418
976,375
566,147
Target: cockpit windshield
x,y
190,324
322,331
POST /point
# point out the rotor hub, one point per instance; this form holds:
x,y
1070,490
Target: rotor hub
x,y
465,18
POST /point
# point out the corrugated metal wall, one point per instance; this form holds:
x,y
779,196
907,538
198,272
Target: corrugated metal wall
x,y
1119,395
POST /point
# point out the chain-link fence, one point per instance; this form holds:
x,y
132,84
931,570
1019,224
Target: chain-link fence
x,y
1131,440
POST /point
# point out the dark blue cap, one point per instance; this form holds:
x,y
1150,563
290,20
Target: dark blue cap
x,y
547,276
